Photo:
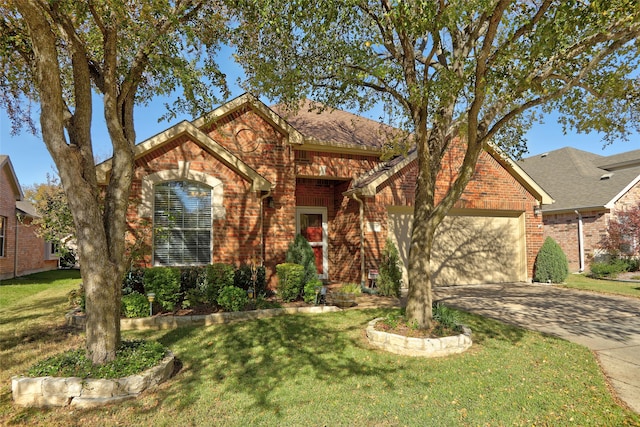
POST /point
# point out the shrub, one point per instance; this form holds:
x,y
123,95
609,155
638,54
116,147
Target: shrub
x,y
610,268
77,297
192,278
242,279
310,290
133,281
551,263
301,253
290,280
218,276
232,298
165,283
135,305
390,274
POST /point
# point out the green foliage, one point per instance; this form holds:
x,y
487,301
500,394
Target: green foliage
x,y
309,292
132,358
290,280
135,305
447,318
390,274
245,275
133,281
77,297
351,288
165,283
609,268
551,263
300,252
232,298
218,276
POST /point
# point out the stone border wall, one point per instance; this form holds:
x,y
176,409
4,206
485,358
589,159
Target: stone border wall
x,y
171,322
420,347
87,393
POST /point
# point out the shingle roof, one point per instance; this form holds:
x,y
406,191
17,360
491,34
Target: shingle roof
x,y
327,126
27,208
578,179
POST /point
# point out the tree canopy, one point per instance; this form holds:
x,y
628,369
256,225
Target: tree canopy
x,y
59,55
479,70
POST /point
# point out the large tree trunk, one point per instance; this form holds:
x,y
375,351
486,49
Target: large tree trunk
x,y
420,297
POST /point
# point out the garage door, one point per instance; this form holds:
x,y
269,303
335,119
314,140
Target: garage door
x,y
471,247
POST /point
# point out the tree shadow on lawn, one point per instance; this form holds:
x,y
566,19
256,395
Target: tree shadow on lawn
x,y
257,357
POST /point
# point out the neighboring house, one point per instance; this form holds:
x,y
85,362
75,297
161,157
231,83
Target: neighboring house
x,y
588,190
237,185
22,251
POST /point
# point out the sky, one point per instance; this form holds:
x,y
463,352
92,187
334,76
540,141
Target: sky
x,y
32,162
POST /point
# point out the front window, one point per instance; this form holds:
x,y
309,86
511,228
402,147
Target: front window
x,y
3,232
182,223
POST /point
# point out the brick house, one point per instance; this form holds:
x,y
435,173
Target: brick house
x,y
588,190
22,251
238,184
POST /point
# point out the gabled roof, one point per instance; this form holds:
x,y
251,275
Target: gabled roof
x,y
186,128
27,209
579,180
248,100
337,130
368,184
5,163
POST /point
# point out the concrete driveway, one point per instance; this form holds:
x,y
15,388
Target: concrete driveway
x,y
608,325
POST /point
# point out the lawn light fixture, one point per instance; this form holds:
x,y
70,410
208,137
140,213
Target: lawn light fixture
x,y
151,297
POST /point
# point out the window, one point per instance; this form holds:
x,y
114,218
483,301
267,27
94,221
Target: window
x,y
51,250
3,233
182,223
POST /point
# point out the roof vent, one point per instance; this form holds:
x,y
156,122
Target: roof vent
x,y
543,155
606,176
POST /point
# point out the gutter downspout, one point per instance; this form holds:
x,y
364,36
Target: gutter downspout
x,y
15,247
362,269
262,226
580,241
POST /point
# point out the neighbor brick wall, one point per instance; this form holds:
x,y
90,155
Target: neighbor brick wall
x,y
563,228
30,249
8,210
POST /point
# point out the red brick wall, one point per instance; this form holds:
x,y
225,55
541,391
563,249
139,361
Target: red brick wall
x,y
30,252
563,228
492,188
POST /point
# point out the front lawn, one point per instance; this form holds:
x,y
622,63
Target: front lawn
x,y
582,282
319,370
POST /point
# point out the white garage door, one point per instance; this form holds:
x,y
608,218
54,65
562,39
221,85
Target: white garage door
x,y
471,247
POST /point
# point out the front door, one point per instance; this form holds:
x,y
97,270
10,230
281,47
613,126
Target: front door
x,y
311,222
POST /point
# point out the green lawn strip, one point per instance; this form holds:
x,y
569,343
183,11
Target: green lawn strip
x,y
582,282
17,289
320,370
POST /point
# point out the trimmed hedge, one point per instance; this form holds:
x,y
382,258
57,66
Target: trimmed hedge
x,y
165,283
290,281
551,263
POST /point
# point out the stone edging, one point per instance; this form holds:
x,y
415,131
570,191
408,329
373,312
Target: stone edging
x,y
172,322
87,393
420,347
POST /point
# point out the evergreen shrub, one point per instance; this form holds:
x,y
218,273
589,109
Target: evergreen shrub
x,y
309,294
135,304
300,252
232,298
290,280
389,271
164,282
551,263
218,276
243,279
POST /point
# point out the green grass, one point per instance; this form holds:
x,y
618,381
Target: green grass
x,y
582,282
24,287
319,370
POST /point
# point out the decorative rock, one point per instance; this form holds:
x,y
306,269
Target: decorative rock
x,y
419,347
